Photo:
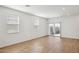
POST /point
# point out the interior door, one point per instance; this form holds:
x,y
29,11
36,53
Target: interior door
x,y
57,29
54,29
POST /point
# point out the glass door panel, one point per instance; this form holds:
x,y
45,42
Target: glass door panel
x,y
54,29
57,29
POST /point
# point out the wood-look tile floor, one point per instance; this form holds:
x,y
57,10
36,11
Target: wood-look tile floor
x,y
46,44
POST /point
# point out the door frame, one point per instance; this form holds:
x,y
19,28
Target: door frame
x,y
54,32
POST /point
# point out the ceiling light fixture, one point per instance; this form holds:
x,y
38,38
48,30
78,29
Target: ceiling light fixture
x,y
63,9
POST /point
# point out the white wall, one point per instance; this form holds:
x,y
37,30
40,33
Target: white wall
x,y
69,25
27,29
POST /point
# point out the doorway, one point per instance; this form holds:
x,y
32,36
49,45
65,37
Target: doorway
x,y
54,29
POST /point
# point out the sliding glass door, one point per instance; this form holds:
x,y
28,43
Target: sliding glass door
x,y
54,29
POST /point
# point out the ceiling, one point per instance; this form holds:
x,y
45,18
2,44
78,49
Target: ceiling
x,y
47,11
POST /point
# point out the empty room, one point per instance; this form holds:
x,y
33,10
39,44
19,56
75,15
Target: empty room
x,y
39,28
